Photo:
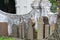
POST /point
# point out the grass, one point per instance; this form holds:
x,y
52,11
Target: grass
x,y
7,38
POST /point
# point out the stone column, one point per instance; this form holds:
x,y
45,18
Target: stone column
x,y
30,30
40,29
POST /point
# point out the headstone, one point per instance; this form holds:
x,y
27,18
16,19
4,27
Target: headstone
x,y
47,31
58,21
15,30
40,29
30,30
20,30
52,28
22,27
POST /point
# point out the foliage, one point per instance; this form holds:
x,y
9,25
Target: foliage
x,y
53,6
6,38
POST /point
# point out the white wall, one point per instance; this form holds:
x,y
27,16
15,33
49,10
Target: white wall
x,y
23,6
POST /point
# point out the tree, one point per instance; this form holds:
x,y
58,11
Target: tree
x,y
53,5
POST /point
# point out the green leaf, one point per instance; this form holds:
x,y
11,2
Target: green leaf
x,y
53,6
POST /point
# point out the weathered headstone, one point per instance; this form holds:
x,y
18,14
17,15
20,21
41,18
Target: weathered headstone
x,y
40,29
15,30
47,31
22,29
52,28
30,30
